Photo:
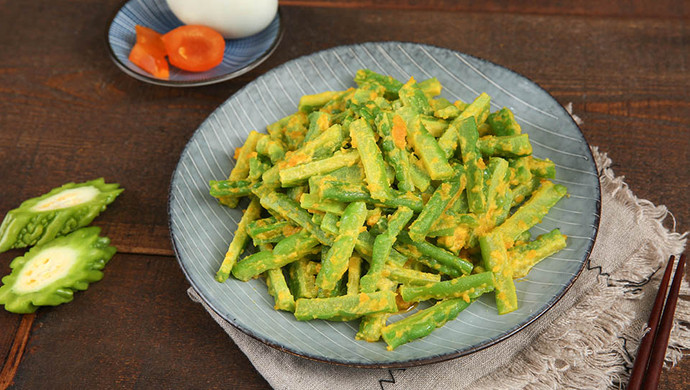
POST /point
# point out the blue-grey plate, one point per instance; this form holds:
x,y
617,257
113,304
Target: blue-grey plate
x,y
201,228
241,55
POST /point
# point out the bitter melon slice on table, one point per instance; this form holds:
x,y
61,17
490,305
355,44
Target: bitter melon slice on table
x,y
48,274
60,211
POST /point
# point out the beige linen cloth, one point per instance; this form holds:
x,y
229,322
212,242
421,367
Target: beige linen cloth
x,y
586,341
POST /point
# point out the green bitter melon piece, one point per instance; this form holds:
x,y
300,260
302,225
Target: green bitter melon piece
x,y
59,212
48,274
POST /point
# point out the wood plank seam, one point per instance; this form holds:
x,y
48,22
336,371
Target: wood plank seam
x,y
14,357
461,8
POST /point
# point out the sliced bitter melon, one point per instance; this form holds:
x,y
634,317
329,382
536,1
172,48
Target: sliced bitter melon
x,y
48,274
59,212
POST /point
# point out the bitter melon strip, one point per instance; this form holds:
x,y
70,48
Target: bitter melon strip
x,y
48,274
57,213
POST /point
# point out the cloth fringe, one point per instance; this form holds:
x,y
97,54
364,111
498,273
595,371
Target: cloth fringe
x,y
679,341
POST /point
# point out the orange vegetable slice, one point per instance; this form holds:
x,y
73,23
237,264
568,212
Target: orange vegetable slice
x,y
194,48
151,40
149,53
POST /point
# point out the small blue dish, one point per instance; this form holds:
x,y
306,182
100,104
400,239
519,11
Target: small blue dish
x,y
241,55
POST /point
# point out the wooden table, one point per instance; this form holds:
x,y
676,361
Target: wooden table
x,y
67,113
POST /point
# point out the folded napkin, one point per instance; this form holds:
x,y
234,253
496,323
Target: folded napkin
x,y
587,340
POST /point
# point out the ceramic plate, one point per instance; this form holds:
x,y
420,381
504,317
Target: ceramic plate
x,y
241,55
201,229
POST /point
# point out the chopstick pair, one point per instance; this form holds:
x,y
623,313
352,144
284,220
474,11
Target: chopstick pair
x,y
652,351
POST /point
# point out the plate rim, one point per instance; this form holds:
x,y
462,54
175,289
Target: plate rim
x,y
414,361
184,84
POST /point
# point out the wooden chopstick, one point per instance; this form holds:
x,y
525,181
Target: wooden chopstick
x,y
650,356
640,365
656,360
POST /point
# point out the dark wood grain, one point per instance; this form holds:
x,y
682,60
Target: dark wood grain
x,y
67,113
133,133
672,9
137,328
17,349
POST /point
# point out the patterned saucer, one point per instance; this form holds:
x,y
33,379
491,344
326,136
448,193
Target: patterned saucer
x,y
241,55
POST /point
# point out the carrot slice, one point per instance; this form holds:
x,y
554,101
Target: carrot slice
x,y
194,48
151,40
149,53
157,66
